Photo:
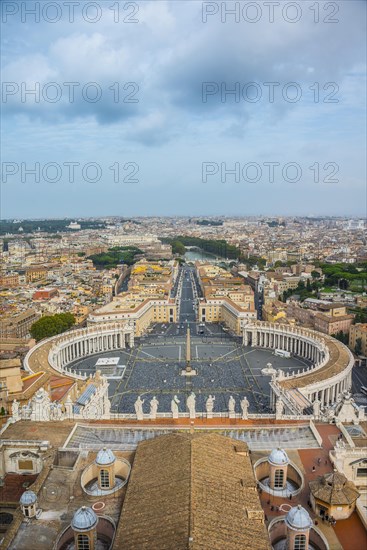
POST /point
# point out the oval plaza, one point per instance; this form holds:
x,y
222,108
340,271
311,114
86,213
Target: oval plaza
x,y
318,370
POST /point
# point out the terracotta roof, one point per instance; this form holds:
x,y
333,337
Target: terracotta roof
x,y
194,492
334,488
334,319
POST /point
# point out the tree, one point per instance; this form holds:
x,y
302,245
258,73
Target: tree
x,y
360,314
341,336
278,263
315,274
51,325
115,255
343,284
178,248
358,346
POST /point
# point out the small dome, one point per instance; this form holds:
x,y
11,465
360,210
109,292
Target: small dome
x,y
298,519
84,519
278,457
28,498
105,456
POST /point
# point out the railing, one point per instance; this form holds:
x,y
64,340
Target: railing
x,y
204,415
345,434
287,400
315,433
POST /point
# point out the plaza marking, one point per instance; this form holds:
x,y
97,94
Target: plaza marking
x,y
252,374
126,379
152,356
222,356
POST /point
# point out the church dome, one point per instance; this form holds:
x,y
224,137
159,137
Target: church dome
x,y
84,519
105,457
278,457
298,519
28,498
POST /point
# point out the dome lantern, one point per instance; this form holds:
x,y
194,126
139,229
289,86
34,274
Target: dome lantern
x,y
299,523
105,457
278,457
84,519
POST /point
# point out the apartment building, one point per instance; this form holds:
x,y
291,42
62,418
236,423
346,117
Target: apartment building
x,y
327,318
225,298
9,280
147,300
332,325
36,273
18,325
358,330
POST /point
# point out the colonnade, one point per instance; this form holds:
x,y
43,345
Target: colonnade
x,y
83,342
308,345
293,340
330,393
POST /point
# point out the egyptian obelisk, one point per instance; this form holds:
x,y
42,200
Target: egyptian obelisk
x,y
188,351
188,371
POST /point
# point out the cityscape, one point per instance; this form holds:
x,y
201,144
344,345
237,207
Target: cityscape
x,y
183,277
118,333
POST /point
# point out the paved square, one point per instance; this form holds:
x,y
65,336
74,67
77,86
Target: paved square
x,y
224,367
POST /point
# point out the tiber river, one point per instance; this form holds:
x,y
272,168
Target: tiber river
x,y
198,254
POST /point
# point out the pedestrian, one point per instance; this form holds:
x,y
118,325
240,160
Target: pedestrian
x,y
313,468
326,462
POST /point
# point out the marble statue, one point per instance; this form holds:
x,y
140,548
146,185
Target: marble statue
x,y
316,407
232,406
279,408
191,404
68,407
210,405
153,408
244,407
174,406
41,406
139,408
106,407
15,410
56,411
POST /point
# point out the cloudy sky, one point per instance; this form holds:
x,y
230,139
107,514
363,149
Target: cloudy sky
x,y
179,108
